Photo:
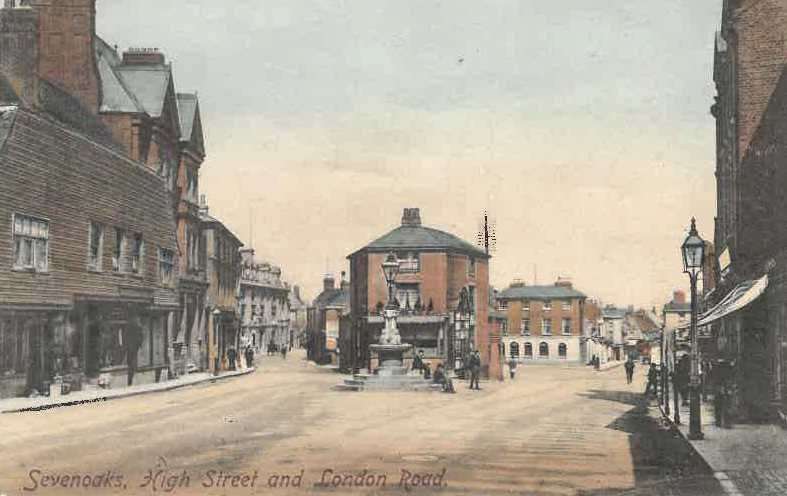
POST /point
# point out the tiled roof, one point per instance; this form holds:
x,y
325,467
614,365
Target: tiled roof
x,y
422,238
540,293
116,97
148,84
206,218
329,297
187,110
6,122
613,313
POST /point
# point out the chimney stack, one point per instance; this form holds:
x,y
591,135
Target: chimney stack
x,y
203,205
564,282
67,57
328,282
679,296
19,53
411,217
143,56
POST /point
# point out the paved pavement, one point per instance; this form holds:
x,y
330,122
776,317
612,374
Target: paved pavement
x,y
748,459
553,431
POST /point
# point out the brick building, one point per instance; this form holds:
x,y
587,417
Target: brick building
x,y
544,322
745,309
223,265
438,271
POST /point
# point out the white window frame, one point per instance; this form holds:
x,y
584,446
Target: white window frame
x,y
544,327
136,260
35,239
547,306
525,327
167,281
563,329
118,257
567,305
95,265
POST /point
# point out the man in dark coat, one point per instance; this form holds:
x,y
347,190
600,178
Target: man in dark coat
x,y
475,370
629,370
418,362
653,376
231,356
442,379
249,357
133,338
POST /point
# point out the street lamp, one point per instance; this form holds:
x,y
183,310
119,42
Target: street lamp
x,y
216,360
390,271
693,249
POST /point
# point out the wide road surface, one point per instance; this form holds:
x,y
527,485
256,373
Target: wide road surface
x,y
554,430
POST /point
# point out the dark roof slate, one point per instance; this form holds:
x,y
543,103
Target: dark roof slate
x,y
540,293
422,238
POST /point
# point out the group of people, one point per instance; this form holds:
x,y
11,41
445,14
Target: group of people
x,y
233,360
439,376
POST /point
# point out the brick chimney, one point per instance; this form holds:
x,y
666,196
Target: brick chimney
x,y
66,55
247,256
679,296
411,217
19,51
143,56
564,282
328,282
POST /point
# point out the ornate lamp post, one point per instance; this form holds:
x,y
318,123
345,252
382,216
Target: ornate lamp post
x,y
390,271
390,348
693,250
217,359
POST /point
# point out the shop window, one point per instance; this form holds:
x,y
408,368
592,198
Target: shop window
x,y
111,350
14,347
407,295
528,350
562,351
96,244
31,243
166,266
543,350
514,349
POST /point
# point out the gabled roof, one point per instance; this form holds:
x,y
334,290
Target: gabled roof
x,y
7,118
206,218
422,238
116,96
148,84
540,293
187,110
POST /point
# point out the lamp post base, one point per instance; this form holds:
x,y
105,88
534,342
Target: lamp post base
x,y
695,423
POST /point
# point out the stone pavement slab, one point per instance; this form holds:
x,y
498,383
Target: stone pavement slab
x,y
12,405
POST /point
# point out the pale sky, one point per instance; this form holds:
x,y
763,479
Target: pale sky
x,y
582,127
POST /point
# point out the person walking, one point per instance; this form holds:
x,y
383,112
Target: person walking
x,y
284,352
475,370
231,356
249,357
652,380
629,370
512,368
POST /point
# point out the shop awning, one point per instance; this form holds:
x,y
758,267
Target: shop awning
x,y
742,295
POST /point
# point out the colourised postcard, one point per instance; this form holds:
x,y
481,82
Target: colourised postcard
x,y
393,247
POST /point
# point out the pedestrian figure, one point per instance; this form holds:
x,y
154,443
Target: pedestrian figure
x,y
442,379
271,348
284,352
682,373
427,370
512,368
231,356
596,362
249,357
418,362
652,379
475,370
629,370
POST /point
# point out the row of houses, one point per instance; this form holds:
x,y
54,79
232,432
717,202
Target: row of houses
x,y
112,271
448,308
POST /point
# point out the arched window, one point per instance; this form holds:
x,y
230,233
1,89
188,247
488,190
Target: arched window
x,y
562,350
543,350
514,347
528,350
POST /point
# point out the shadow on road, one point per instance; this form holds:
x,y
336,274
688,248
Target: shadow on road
x,y
664,463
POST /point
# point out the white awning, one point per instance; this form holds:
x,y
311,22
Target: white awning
x,y
742,295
